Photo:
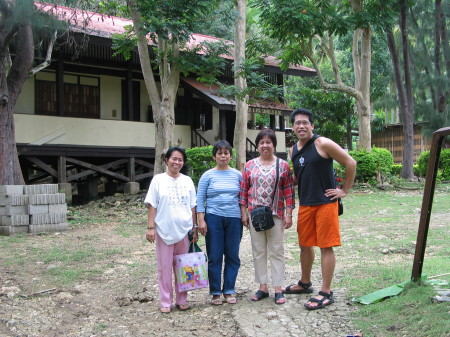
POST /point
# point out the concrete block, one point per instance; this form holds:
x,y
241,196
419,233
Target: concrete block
x,y
41,189
8,230
38,209
53,218
13,210
15,200
131,188
46,228
57,208
15,220
11,189
47,199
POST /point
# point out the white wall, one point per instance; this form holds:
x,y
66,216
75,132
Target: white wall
x,y
80,131
25,102
110,98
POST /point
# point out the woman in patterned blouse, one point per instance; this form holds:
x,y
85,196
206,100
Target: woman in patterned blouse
x,y
257,189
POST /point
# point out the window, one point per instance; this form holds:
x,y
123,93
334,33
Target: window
x,y
81,96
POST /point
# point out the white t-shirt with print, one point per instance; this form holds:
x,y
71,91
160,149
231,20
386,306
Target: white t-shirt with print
x,y
173,199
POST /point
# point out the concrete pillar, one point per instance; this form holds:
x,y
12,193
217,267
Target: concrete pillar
x,y
131,188
66,188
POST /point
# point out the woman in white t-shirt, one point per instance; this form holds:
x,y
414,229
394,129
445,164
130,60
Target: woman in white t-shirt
x,y
171,202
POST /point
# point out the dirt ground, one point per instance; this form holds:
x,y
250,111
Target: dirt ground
x,y
115,291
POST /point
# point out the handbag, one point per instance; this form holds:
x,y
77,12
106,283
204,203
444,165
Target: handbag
x,y
262,218
340,207
191,269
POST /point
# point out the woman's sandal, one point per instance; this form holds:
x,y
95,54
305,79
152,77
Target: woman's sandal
x,y
216,301
230,299
306,288
183,307
259,295
279,298
321,302
164,310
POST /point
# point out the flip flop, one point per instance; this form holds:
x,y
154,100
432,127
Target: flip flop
x,y
259,295
183,307
306,288
164,310
321,302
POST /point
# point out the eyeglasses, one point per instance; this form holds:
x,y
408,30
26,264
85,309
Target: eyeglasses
x,y
298,123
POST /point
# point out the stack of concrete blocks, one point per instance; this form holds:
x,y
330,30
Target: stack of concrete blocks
x,y
32,209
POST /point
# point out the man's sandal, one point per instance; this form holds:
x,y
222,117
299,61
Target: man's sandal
x,y
306,288
321,302
259,295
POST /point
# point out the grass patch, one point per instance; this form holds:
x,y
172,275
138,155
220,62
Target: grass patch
x,y
66,275
379,232
409,314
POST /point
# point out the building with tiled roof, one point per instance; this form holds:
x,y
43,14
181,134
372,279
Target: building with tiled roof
x,y
88,114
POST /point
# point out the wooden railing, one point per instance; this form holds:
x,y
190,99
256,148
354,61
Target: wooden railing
x,y
197,140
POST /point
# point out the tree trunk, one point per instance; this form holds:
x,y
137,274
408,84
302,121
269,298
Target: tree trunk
x,y
362,64
240,129
12,78
163,104
408,114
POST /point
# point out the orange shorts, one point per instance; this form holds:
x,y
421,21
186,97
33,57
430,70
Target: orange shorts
x,y
319,226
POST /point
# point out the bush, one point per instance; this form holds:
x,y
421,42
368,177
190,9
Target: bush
x,y
396,169
366,166
370,166
443,168
383,160
200,160
422,163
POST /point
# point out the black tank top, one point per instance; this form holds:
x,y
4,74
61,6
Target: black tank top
x,y
315,175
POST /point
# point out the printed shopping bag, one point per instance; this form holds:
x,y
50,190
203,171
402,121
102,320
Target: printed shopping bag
x,y
191,269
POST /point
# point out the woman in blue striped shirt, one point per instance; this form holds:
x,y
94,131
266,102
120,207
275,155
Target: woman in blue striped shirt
x,y
219,219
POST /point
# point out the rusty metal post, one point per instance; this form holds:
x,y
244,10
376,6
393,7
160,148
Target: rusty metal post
x,y
427,201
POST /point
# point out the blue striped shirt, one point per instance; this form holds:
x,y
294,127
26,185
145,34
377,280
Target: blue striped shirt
x,y
218,193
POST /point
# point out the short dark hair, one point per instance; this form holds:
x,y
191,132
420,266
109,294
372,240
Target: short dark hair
x,y
266,133
302,111
221,144
183,153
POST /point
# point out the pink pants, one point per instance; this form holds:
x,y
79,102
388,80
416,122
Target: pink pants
x,y
164,259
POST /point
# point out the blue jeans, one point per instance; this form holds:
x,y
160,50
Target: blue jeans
x,y
223,238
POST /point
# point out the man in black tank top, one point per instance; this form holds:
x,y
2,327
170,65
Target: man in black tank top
x,y
318,223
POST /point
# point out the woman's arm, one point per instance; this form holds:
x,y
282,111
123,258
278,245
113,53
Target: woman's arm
x,y
150,236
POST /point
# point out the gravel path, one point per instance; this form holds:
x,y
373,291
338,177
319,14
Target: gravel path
x,y
122,300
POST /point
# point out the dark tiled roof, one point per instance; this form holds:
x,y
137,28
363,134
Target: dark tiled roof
x,y
105,26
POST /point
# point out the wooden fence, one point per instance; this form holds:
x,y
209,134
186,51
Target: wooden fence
x,y
391,138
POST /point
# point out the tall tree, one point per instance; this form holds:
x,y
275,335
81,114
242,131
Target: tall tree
x,y
24,26
240,129
305,27
169,24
